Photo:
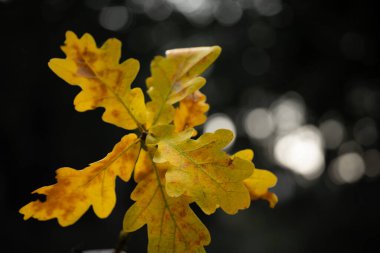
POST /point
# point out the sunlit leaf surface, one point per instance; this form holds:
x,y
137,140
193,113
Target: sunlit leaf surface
x,y
104,81
174,77
172,225
77,190
171,166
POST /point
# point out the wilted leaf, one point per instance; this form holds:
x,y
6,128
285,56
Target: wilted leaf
x,y
172,225
76,190
174,77
104,81
191,111
202,170
260,181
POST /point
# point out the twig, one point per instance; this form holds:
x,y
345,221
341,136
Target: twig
x,y
122,242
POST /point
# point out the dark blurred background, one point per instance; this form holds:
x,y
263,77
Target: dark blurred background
x,y
297,81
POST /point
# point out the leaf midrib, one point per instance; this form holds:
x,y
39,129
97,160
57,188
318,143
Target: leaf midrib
x,y
108,87
160,186
176,78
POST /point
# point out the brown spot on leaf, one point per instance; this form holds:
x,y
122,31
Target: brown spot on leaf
x,y
202,237
182,213
180,238
115,113
138,191
85,71
118,78
89,56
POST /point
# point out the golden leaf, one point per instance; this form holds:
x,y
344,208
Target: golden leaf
x,y
260,181
174,77
191,111
143,167
201,170
172,225
76,190
171,169
104,81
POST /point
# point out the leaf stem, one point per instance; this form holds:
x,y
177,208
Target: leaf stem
x,y
120,247
162,191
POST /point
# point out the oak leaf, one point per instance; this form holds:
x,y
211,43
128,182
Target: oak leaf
x,y
104,81
172,225
191,111
77,190
260,181
143,166
201,170
171,168
174,77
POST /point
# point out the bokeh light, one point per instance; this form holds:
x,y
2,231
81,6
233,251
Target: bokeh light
x,y
288,112
114,18
349,147
268,7
365,132
228,12
158,10
301,151
333,132
188,6
347,168
372,163
258,123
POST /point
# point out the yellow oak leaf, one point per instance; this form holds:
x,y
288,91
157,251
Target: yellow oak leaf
x,y
191,111
143,166
201,170
104,81
77,190
260,181
164,133
174,77
172,170
172,225
258,184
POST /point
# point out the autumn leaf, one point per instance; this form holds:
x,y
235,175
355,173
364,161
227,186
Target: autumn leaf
x,y
172,225
191,111
77,190
143,166
258,184
174,77
104,81
171,169
201,170
260,181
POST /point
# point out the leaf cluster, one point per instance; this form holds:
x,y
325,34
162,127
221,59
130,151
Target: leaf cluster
x,y
170,164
